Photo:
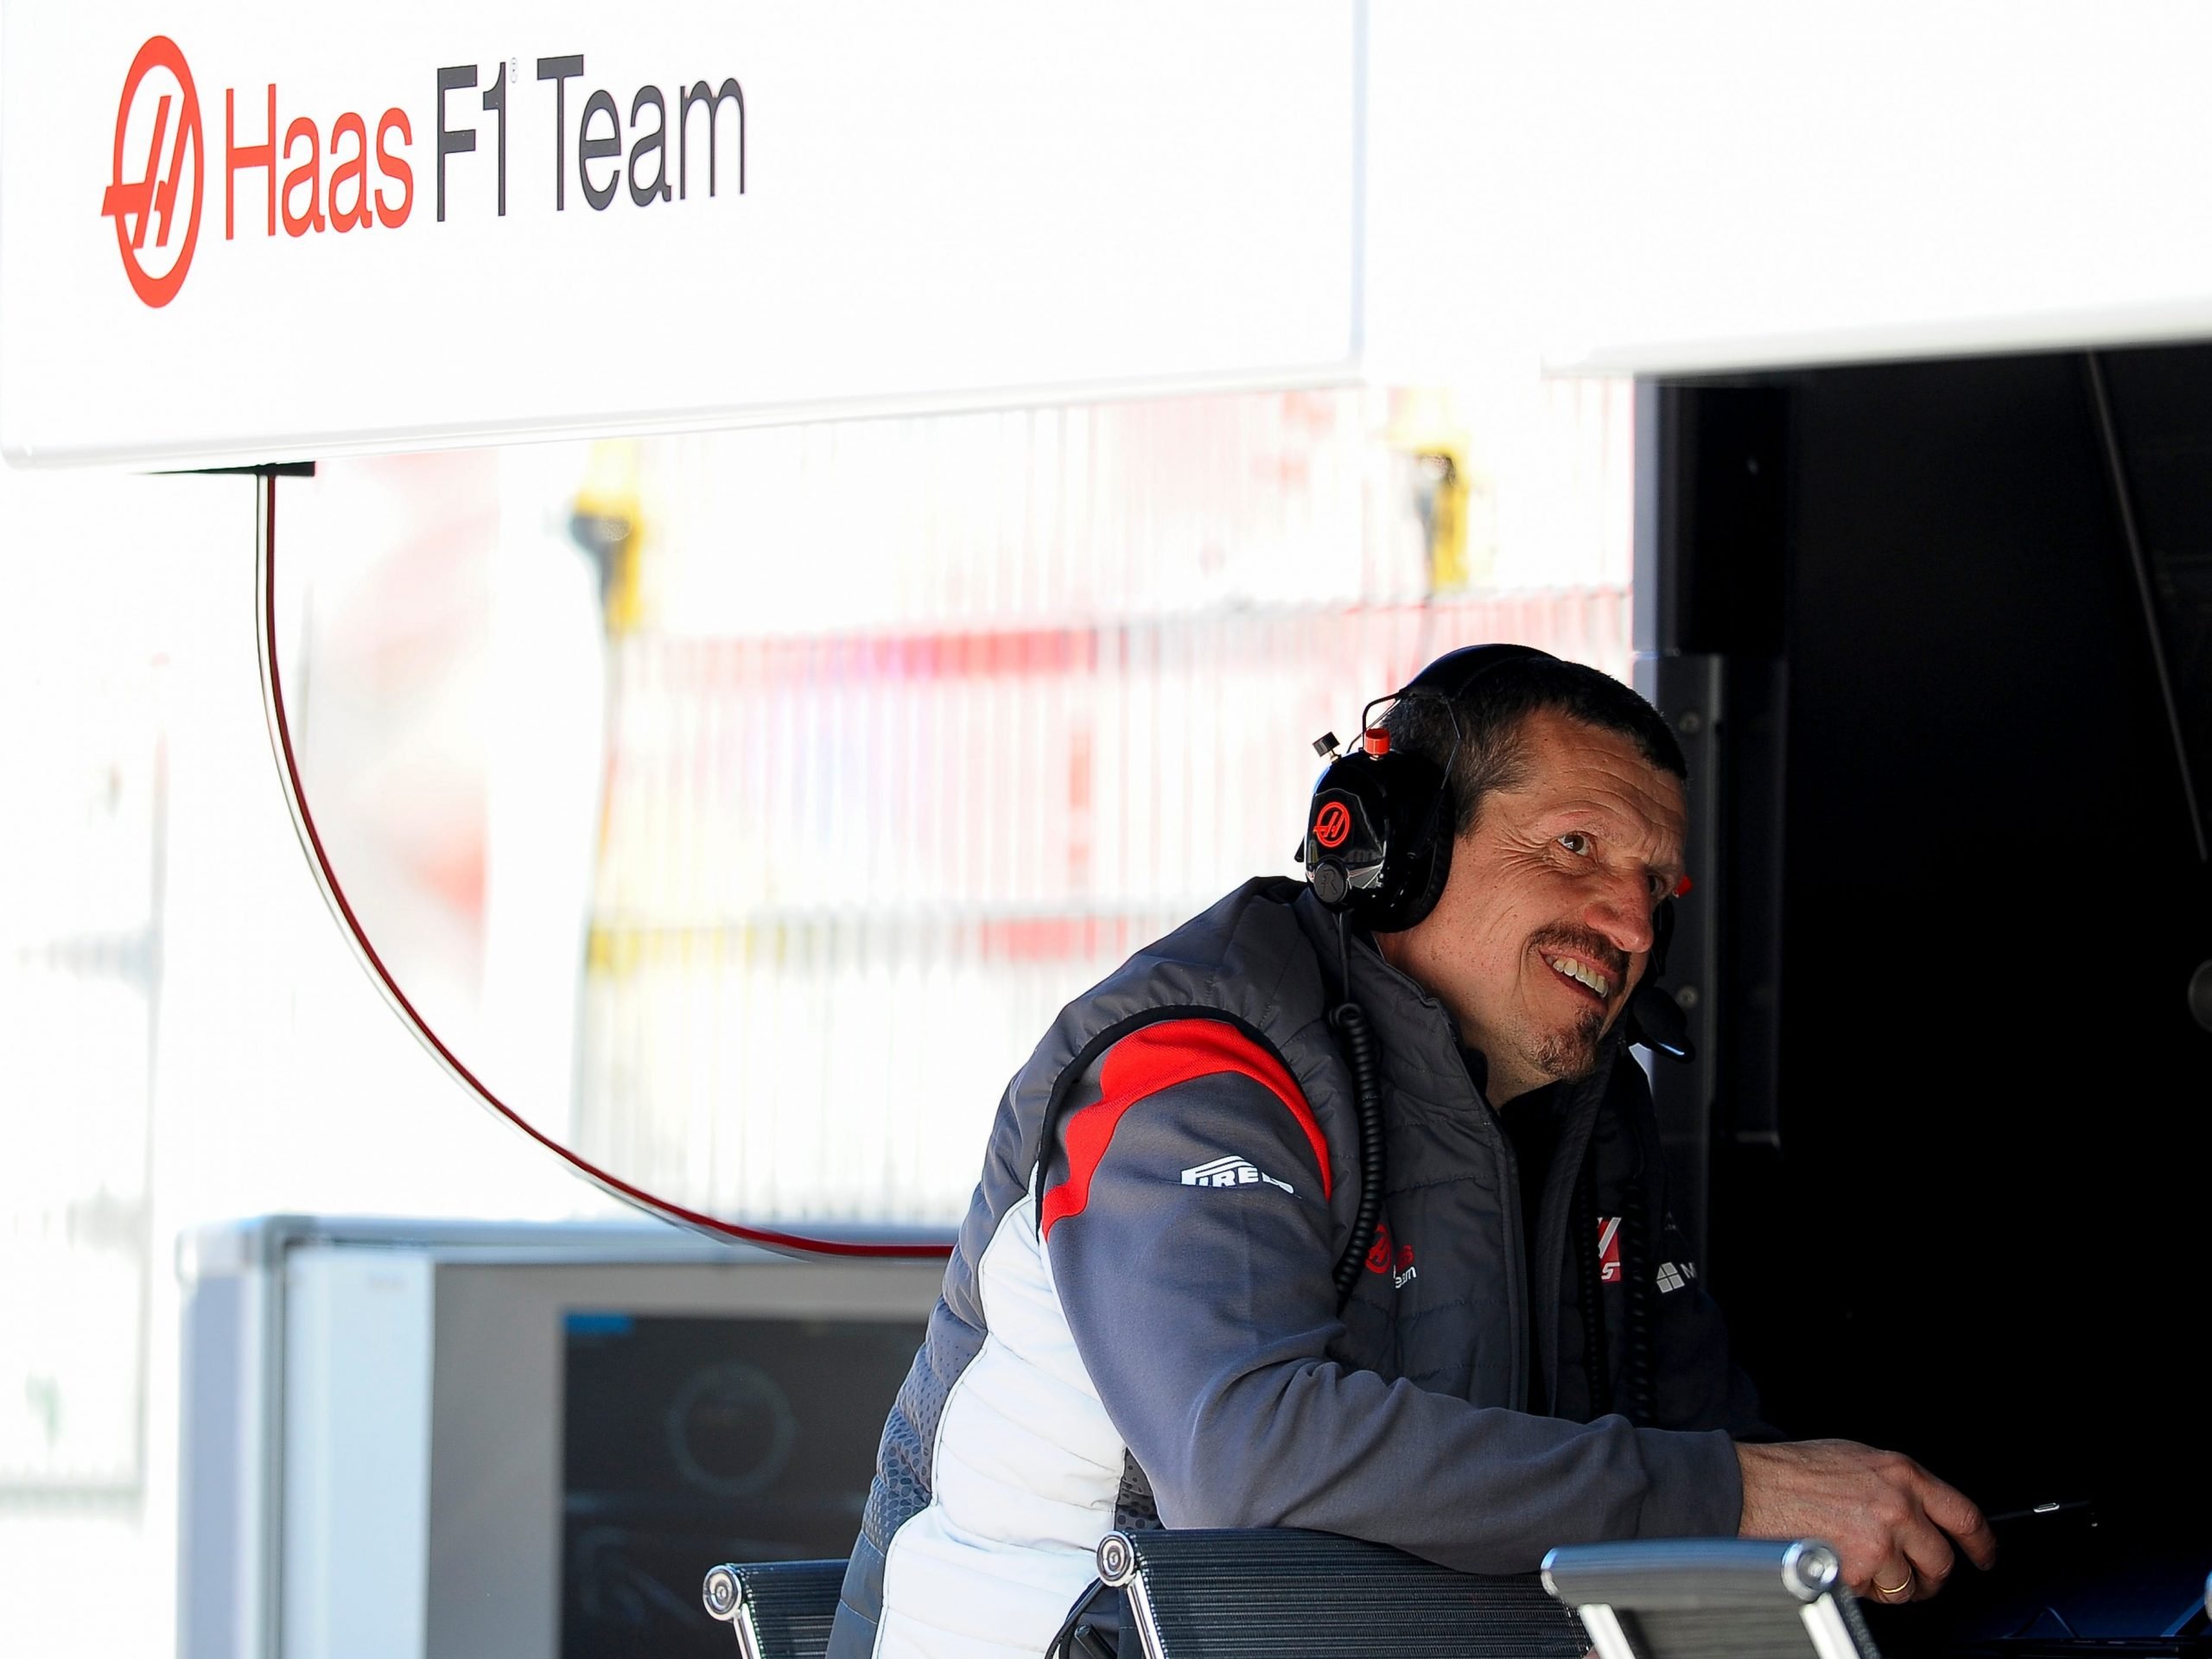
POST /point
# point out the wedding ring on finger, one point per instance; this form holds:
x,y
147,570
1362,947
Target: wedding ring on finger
x,y
1886,1590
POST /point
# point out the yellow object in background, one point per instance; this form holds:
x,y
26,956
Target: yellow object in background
x,y
1447,495
1443,498
608,519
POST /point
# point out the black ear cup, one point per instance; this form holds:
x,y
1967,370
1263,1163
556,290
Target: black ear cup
x,y
1347,832
1427,873
1369,846
1379,829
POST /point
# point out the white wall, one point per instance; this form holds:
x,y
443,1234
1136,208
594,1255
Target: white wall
x,y
1729,182
280,1081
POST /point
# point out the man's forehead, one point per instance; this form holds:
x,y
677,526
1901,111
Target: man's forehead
x,y
1570,766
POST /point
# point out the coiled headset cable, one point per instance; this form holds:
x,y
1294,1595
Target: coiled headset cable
x,y
1635,1397
1590,1274
1356,1040
1638,1403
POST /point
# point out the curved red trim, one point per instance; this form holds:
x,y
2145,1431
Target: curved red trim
x,y
312,840
1160,1057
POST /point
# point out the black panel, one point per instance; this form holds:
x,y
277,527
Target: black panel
x,y
688,1441
1726,503
2161,404
1980,1240
1716,559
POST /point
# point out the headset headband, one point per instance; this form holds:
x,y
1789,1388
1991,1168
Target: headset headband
x,y
1446,680
1455,671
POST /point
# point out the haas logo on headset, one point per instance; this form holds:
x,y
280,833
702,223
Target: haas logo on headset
x,y
1332,824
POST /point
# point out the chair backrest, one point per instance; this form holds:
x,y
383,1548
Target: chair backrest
x,y
1216,1595
1711,1599
780,1610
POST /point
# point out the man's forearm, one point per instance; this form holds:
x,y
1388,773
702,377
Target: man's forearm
x,y
1480,1489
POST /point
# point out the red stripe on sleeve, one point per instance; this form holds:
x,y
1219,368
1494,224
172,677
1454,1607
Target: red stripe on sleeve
x,y
1158,1057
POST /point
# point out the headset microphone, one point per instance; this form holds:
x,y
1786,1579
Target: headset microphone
x,y
1653,1017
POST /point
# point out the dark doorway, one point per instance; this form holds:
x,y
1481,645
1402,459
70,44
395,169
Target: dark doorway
x,y
1960,1112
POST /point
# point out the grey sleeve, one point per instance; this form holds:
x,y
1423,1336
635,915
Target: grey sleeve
x,y
1205,1315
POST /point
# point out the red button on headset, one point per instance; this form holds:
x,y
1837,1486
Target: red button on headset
x,y
1378,741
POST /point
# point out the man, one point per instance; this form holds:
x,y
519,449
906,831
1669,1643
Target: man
x,y
1144,1322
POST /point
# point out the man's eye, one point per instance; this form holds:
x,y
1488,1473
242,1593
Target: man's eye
x,y
1576,842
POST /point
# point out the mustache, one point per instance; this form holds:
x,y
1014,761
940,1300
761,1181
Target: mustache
x,y
1591,947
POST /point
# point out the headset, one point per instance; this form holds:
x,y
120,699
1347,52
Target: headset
x,y
1379,832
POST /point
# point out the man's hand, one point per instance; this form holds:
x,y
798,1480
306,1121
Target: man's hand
x,y
1886,1515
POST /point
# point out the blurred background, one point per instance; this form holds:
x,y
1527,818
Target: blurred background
x,y
837,758
739,806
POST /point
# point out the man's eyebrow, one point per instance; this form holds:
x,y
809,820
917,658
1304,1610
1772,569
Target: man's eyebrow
x,y
1612,822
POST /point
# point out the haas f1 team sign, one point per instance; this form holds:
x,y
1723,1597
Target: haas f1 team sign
x,y
227,237
333,180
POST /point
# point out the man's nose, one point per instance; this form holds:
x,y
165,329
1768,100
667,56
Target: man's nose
x,y
1620,910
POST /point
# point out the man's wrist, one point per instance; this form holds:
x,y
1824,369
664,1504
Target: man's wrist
x,y
1695,1484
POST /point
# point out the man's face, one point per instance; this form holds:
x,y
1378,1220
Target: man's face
x,y
1545,923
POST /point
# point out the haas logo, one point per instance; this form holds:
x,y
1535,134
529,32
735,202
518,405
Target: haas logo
x,y
1332,824
1386,1255
157,129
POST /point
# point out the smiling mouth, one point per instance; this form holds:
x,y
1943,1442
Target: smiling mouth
x,y
1582,974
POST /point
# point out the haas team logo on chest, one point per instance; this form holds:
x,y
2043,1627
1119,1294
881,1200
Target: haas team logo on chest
x,y
1386,1255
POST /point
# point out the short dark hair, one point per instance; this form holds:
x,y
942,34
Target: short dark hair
x,y
1492,711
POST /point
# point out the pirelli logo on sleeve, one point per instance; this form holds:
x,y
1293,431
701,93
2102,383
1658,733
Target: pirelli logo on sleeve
x,y
1231,1171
